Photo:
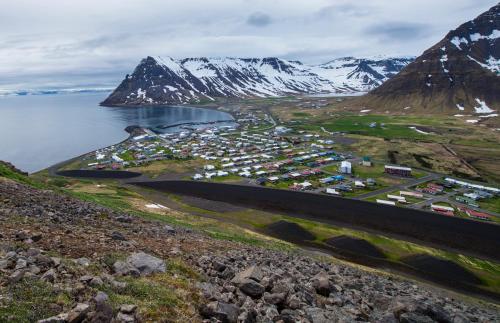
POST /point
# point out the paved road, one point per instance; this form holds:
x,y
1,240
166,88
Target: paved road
x,y
403,186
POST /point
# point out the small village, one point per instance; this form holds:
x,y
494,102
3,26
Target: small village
x,y
257,151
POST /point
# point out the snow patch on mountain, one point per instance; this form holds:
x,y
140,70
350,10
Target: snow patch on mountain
x,y
457,41
477,36
482,107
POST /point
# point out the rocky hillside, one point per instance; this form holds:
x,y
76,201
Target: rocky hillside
x,y
460,74
65,260
169,81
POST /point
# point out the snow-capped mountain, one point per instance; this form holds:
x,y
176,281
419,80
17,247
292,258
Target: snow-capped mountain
x,y
460,74
168,81
362,74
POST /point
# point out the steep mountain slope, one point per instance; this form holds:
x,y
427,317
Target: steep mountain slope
x,y
460,74
169,81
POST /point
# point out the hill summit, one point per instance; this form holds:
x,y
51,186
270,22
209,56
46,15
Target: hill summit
x,y
461,73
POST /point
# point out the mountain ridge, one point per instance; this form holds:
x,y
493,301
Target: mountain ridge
x,y
158,80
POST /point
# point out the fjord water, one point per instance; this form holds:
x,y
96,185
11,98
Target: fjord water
x,y
41,130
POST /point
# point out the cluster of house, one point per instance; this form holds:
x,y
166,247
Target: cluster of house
x,y
431,188
247,117
475,193
475,214
313,104
471,198
270,168
450,211
342,187
137,151
209,143
251,118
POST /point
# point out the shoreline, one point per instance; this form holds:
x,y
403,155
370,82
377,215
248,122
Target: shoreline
x,y
55,167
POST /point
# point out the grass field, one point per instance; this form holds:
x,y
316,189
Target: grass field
x,y
492,204
170,166
377,126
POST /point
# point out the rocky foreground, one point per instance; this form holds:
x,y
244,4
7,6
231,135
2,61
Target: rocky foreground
x,y
92,264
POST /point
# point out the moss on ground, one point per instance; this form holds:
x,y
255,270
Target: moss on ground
x,y
27,301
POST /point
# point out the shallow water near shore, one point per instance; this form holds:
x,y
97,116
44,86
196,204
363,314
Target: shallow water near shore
x,y
41,130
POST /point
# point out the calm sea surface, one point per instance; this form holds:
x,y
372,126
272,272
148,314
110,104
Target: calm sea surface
x,y
39,131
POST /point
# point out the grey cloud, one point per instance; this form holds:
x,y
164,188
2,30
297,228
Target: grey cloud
x,y
259,19
399,31
108,38
345,9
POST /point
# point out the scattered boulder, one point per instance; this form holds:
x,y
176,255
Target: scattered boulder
x,y
146,264
251,288
253,272
123,268
78,313
415,318
60,318
84,262
321,283
226,313
318,315
16,276
49,276
128,308
22,235
275,298
118,236
101,297
168,229
127,314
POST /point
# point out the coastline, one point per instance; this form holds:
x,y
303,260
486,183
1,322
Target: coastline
x,y
130,129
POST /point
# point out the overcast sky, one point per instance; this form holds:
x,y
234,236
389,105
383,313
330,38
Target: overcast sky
x,y
62,43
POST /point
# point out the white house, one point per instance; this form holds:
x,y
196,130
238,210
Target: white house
x,y
359,184
345,167
210,175
245,174
332,191
222,173
209,167
400,199
197,177
305,185
386,202
117,159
